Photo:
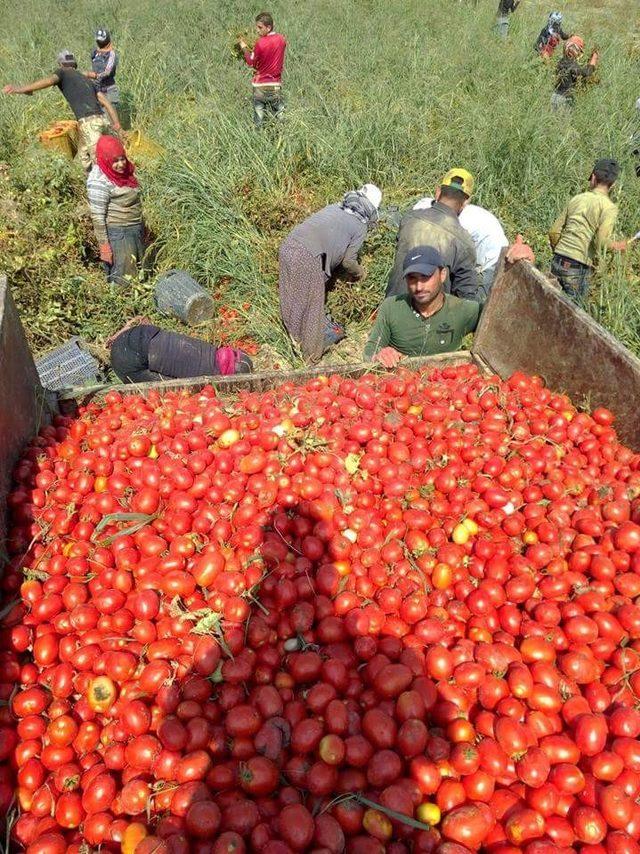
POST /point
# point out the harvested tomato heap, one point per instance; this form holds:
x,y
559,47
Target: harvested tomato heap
x,y
388,614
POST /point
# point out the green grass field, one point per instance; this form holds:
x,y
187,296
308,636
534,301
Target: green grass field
x,y
393,92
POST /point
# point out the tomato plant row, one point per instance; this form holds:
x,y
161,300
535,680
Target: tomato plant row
x,y
398,613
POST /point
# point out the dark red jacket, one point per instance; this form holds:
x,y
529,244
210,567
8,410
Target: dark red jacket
x,y
267,59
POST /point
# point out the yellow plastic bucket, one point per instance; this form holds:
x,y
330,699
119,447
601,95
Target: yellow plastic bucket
x,y
139,145
61,137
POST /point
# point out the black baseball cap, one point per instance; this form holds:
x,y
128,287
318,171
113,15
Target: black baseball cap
x,y
423,259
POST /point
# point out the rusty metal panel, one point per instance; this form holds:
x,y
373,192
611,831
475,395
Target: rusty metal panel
x,y
529,325
268,379
23,405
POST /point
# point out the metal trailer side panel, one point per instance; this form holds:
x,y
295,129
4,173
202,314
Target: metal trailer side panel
x,y
529,325
263,381
22,399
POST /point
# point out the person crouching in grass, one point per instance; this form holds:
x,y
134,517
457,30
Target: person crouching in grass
x,y
116,211
311,255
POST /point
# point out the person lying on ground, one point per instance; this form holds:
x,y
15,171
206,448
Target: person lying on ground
x,y
85,102
570,73
583,230
439,226
267,60
142,352
114,203
488,238
104,64
505,9
424,321
315,250
551,35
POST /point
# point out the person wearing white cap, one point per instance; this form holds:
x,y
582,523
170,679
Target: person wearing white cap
x,y
316,249
86,103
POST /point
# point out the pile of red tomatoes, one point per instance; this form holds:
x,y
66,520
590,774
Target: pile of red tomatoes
x,y
398,613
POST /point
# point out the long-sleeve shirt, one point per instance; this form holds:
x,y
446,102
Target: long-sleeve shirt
x,y
548,32
333,235
267,58
110,204
174,355
584,227
505,7
569,74
105,65
438,227
484,228
400,326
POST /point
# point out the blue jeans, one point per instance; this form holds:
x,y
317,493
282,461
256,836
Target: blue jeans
x,y
127,245
502,26
573,276
485,279
267,98
560,103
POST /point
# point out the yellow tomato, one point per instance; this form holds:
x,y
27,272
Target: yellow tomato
x,y
414,410
343,567
377,825
228,438
428,813
100,484
460,534
529,538
471,525
153,453
101,694
132,837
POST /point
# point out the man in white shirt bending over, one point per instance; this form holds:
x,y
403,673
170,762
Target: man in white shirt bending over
x,y
488,237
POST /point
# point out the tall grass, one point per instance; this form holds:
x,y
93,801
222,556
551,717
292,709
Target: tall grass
x,y
394,93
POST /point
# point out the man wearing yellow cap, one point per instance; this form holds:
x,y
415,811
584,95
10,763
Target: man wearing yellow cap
x,y
439,228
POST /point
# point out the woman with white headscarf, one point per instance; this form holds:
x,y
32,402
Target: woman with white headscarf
x,y
329,239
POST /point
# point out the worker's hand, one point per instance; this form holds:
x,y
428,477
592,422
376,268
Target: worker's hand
x,y
595,58
243,45
10,89
619,245
106,253
520,251
388,357
91,75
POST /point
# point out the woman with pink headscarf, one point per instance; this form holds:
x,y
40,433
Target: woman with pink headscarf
x,y
116,210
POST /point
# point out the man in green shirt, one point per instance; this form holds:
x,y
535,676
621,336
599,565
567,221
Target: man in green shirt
x,y
425,320
584,229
